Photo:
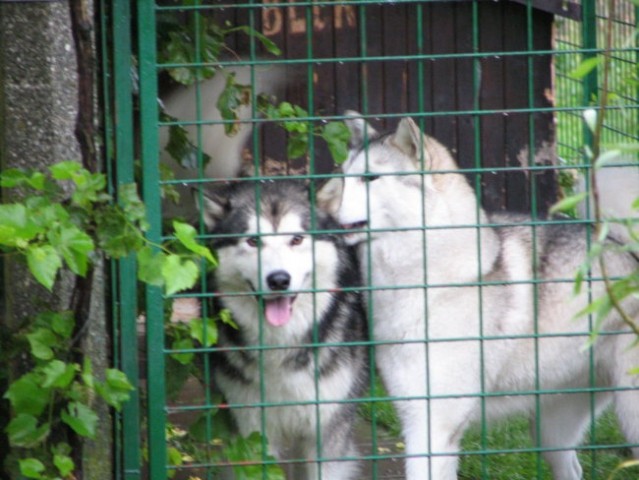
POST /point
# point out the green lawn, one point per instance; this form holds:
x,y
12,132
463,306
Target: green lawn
x,y
598,464
514,434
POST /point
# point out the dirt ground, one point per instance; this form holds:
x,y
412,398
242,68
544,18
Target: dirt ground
x,y
387,468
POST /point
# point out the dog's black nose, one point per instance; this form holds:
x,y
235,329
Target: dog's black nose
x,y
278,280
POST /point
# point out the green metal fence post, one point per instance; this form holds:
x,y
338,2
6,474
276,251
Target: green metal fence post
x,y
156,393
127,308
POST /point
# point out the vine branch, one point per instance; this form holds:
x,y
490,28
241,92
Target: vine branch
x,y
85,130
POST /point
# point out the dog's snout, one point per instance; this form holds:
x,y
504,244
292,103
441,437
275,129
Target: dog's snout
x,y
278,280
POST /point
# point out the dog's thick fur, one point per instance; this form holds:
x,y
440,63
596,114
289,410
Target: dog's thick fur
x,y
478,320
272,251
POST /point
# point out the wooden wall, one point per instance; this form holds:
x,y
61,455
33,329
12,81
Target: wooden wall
x,y
353,57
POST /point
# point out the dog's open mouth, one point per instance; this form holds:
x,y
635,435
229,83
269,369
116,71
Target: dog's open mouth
x,y
355,226
278,310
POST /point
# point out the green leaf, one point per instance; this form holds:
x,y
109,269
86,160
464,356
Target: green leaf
x,y
24,432
115,390
226,318
132,205
80,418
286,110
586,66
204,331
179,274
65,170
64,464
37,181
13,177
568,203
337,135
183,344
44,263
182,150
117,236
118,379
265,41
607,157
297,145
31,467
174,456
89,189
62,323
75,247
41,340
242,450
58,374
150,266
16,225
87,372
185,233
230,100
27,396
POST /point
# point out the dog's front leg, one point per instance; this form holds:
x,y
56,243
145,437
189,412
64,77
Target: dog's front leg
x,y
432,437
432,424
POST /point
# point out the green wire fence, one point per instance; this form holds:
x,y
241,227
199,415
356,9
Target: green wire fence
x,y
502,84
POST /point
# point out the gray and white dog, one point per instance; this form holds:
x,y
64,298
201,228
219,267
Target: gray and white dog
x,y
478,320
297,357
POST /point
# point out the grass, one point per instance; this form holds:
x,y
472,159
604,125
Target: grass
x,y
598,464
514,434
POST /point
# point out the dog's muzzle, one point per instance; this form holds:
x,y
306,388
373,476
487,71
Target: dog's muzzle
x,y
278,306
354,233
355,226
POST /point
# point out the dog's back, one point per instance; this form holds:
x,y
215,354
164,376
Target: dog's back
x,y
466,304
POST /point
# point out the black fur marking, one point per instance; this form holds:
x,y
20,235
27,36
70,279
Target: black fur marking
x,y
344,319
276,199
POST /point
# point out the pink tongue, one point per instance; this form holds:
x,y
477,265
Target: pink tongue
x,y
278,311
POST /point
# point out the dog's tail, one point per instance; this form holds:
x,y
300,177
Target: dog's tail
x,y
618,194
196,106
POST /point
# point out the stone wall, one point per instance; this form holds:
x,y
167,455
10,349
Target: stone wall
x,y
38,110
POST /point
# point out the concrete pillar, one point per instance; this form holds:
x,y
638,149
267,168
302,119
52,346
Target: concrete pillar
x,y
38,109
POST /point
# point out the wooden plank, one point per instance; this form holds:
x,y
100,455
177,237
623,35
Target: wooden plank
x,y
415,86
442,26
544,125
491,25
273,137
395,72
565,8
516,94
348,74
323,81
466,91
372,71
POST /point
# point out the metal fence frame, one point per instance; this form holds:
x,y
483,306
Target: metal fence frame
x,y
142,423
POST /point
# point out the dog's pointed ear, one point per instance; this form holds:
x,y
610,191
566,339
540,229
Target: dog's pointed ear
x,y
329,195
212,204
360,129
410,139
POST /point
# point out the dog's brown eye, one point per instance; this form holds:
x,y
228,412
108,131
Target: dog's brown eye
x,y
253,241
370,178
296,240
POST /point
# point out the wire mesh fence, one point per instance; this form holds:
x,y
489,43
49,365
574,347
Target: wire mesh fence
x,y
238,379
